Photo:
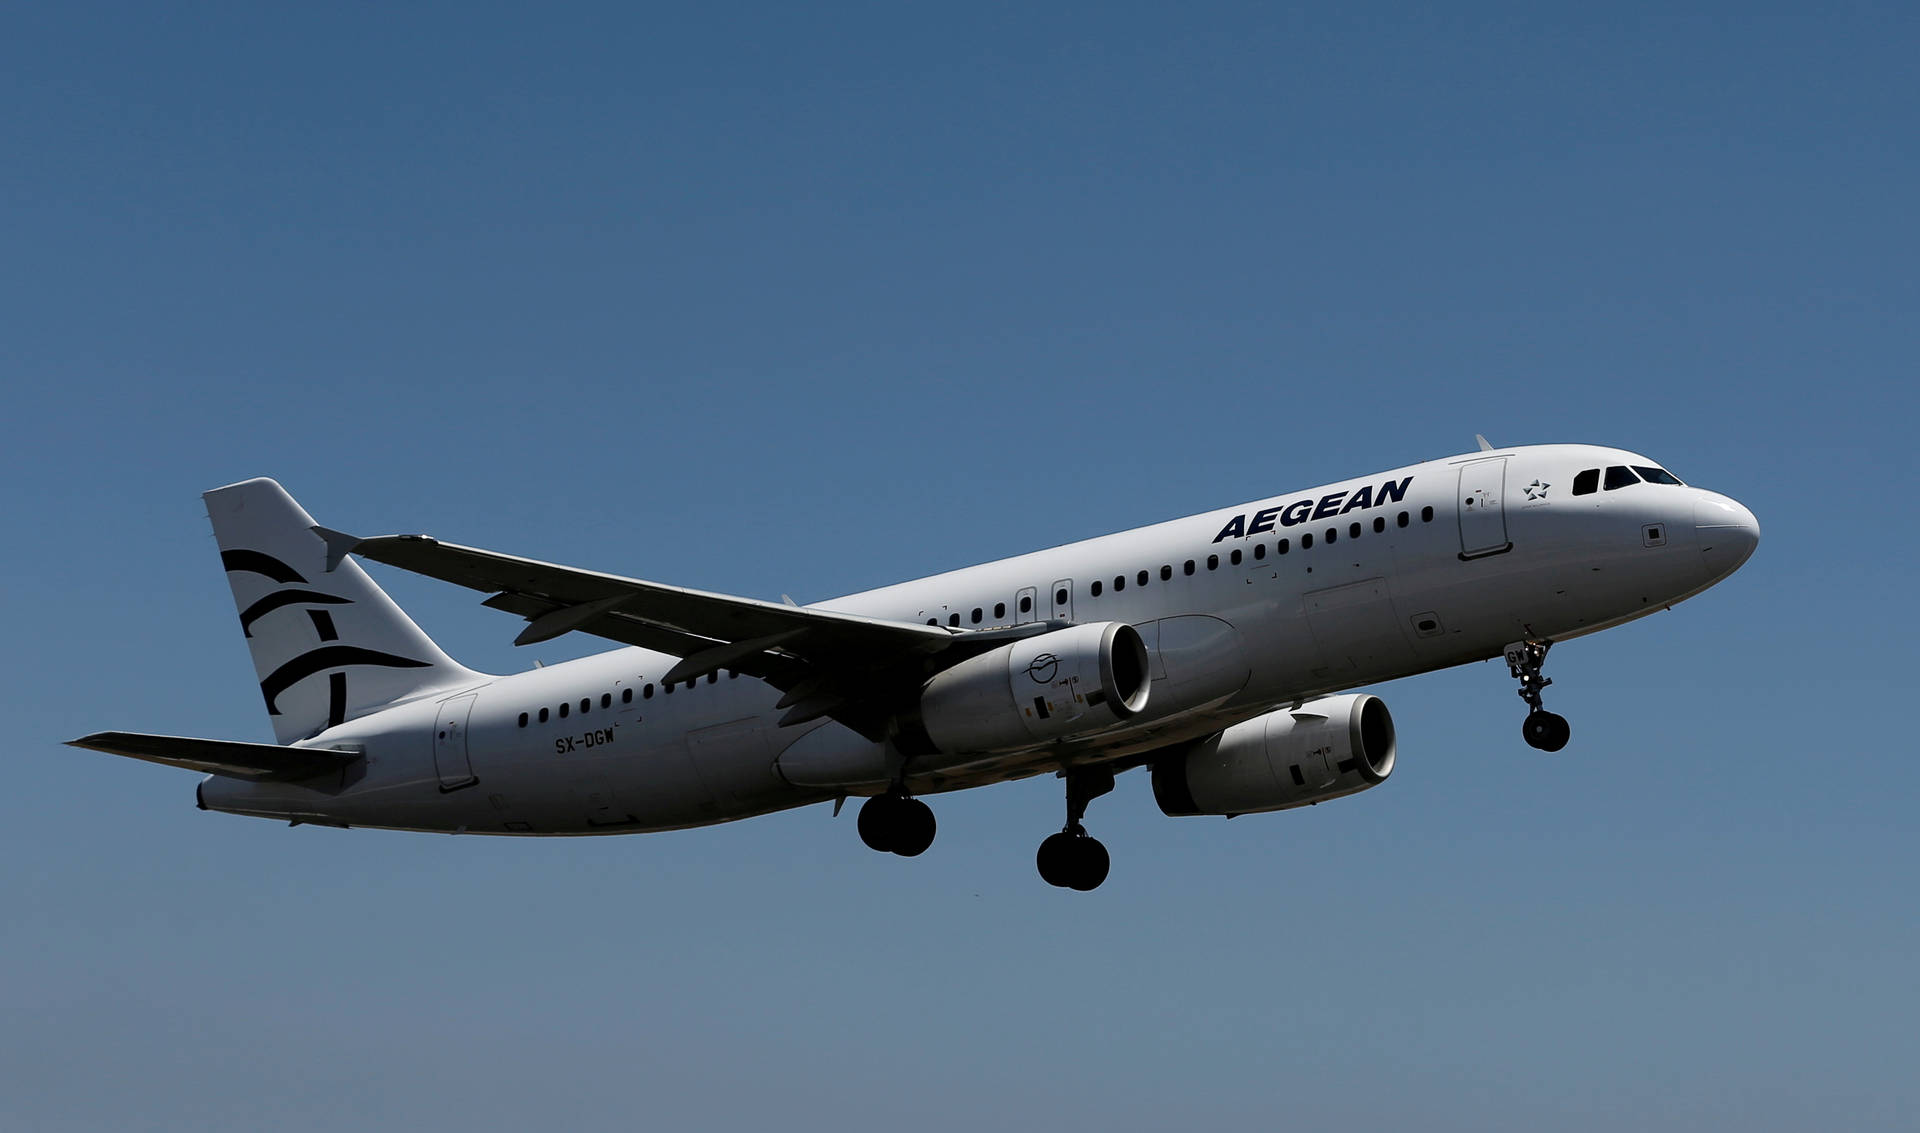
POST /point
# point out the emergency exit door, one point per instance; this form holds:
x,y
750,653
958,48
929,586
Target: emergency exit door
x,y
1483,515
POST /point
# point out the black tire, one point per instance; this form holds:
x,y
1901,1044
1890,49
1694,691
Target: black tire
x,y
1547,731
879,822
913,829
1090,865
1055,859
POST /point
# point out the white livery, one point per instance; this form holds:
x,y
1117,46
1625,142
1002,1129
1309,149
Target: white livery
x,y
1215,650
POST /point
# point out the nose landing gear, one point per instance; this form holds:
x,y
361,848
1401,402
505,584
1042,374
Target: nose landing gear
x,y
1073,859
896,824
1542,729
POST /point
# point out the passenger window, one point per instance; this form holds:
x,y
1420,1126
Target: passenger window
x,y
543,715
1188,569
933,621
1379,524
1587,482
1402,521
1234,557
647,692
1213,562
1060,597
1619,476
953,619
713,678
999,610
1259,551
1353,531
1657,475
1026,605
1094,588
606,700
626,696
563,710
1119,583
1306,541
523,719
1333,534
692,683
1426,514
1285,545
977,613
1166,574
586,703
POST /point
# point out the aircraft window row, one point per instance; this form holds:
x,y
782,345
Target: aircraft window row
x,y
1235,557
1588,481
567,708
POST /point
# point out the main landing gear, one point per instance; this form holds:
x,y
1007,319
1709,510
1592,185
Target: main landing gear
x,y
896,824
1072,859
1542,729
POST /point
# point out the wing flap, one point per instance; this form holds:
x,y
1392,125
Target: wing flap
x,y
232,758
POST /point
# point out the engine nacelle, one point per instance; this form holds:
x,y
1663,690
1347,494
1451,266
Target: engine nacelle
x,y
1324,749
1038,689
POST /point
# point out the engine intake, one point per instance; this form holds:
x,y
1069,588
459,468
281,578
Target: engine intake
x,y
1068,682
1324,749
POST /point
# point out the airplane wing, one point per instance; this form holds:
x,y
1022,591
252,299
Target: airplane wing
x,y
851,668
231,758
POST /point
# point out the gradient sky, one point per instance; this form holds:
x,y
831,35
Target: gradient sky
x,y
810,298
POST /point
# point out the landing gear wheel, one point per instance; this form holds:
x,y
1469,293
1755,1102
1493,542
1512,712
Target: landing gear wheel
x,y
896,824
1055,859
1542,729
913,828
1090,863
1547,731
877,822
1072,861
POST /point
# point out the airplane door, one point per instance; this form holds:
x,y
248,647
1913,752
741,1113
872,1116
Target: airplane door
x,y
1026,606
1483,517
1063,600
450,743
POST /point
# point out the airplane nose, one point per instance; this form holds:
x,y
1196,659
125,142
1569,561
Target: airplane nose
x,y
1727,533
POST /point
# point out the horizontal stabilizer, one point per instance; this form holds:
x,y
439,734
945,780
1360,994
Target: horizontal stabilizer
x,y
231,758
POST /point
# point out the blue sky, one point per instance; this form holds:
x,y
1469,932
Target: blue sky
x,y
781,299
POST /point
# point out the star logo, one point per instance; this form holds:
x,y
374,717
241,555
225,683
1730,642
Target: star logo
x,y
1537,490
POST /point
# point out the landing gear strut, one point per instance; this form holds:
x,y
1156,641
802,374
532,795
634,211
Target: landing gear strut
x,y
897,824
1072,859
1542,729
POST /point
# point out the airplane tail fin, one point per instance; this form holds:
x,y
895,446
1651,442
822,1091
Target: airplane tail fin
x,y
328,644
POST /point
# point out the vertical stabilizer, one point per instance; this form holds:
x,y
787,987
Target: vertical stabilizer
x,y
328,646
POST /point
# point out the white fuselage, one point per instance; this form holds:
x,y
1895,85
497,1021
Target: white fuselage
x,y
1430,580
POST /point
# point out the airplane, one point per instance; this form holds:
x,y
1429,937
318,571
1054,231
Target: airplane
x,y
1217,650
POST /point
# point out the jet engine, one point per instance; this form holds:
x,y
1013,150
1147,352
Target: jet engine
x,y
1324,749
1038,689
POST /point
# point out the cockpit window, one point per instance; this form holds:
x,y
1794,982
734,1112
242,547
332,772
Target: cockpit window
x,y
1587,483
1657,475
1620,476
